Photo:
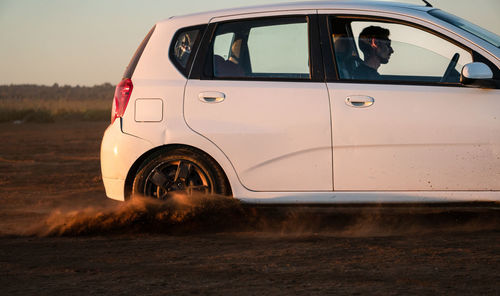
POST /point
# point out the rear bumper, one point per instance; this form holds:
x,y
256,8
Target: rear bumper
x,y
114,188
119,151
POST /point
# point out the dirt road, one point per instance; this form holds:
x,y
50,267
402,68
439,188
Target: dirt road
x,y
59,234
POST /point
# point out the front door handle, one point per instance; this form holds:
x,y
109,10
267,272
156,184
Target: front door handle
x,y
211,97
359,101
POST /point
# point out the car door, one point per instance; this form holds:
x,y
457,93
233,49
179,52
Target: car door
x,y
411,128
261,99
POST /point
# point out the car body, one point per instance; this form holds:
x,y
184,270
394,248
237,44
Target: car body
x,y
286,123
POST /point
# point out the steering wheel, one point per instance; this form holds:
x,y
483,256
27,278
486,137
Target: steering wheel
x,y
450,67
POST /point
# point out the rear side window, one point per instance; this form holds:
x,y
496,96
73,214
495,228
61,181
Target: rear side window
x,y
183,47
275,48
129,71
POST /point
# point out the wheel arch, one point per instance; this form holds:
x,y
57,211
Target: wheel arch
x,y
134,169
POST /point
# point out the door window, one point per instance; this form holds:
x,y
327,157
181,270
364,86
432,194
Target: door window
x,y
373,50
269,48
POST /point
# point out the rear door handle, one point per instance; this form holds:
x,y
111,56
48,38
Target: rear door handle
x,y
359,101
211,97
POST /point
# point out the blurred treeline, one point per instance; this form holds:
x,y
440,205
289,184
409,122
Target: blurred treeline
x,y
39,103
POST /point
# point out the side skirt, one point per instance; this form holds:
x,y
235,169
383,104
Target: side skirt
x,y
369,197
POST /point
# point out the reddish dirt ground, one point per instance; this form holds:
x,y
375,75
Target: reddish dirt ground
x,y
60,234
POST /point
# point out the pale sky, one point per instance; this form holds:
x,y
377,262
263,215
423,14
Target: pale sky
x,y
87,42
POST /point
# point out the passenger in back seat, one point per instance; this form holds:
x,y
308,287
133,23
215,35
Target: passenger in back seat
x,y
230,67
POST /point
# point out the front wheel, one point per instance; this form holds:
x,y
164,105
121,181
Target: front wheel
x,y
183,171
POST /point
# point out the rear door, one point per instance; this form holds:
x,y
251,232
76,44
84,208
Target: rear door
x,y
411,129
260,97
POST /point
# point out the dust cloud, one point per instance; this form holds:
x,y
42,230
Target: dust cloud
x,y
181,214
184,215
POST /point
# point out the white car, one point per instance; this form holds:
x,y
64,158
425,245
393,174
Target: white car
x,y
287,103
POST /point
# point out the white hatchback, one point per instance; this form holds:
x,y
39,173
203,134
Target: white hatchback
x,y
314,102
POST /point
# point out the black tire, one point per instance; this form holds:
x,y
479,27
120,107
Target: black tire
x,y
182,170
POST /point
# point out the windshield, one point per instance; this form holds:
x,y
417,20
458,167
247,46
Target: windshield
x,y
467,26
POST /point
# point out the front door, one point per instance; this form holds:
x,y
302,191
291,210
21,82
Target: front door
x,y
412,127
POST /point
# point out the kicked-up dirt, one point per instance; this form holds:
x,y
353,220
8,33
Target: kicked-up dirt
x,y
60,234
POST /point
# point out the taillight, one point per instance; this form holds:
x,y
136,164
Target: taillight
x,y
122,96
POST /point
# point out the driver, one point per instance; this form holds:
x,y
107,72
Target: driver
x,y
375,44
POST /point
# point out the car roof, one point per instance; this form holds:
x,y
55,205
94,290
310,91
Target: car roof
x,y
308,5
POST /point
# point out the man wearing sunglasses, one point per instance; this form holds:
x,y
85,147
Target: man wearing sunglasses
x,y
375,44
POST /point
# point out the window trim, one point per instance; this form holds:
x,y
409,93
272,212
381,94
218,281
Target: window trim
x,y
333,76
129,71
186,70
203,65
